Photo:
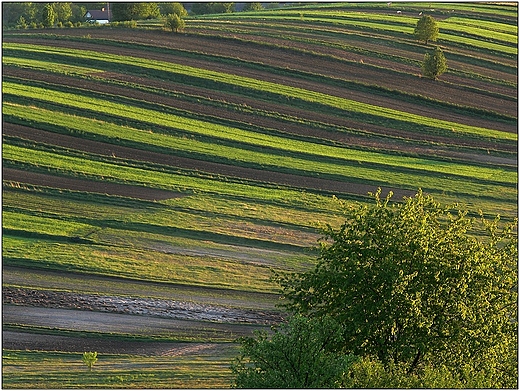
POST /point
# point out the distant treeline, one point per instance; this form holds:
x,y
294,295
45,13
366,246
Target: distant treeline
x,y
40,15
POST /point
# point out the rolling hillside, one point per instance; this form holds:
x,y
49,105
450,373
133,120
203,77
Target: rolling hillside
x,y
152,181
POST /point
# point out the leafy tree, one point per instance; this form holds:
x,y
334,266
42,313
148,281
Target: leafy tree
x,y
212,8
300,354
253,7
174,23
22,24
12,12
412,286
173,8
426,29
434,64
371,373
134,11
63,11
48,15
78,13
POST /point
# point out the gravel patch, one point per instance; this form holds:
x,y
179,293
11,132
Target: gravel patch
x,y
150,307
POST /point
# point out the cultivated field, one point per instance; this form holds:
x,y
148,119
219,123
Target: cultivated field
x,y
152,181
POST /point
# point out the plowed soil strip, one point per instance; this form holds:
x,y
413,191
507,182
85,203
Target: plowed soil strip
x,y
29,341
301,61
172,309
174,161
38,179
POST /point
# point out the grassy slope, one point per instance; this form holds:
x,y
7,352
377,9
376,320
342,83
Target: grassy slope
x,y
224,233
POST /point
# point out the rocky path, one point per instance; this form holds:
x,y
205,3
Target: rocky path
x,y
24,311
148,307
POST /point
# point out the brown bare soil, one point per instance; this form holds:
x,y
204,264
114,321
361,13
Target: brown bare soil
x,y
146,193
377,74
16,340
60,310
103,187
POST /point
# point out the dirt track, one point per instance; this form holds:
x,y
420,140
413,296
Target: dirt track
x,y
169,309
111,314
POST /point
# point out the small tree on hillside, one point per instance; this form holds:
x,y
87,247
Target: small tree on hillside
x,y
174,23
89,359
434,64
426,29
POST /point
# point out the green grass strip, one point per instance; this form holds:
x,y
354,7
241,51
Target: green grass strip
x,y
113,172
43,225
72,70
259,139
291,92
153,178
388,25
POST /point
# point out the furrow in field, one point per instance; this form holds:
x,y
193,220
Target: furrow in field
x,y
163,159
363,73
252,117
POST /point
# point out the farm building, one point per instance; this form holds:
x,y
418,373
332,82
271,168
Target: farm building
x,y
101,16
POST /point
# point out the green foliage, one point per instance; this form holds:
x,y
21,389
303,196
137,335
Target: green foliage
x,y
300,354
89,359
63,11
21,24
134,11
371,373
48,15
125,24
426,29
212,8
253,7
434,64
411,286
173,8
174,23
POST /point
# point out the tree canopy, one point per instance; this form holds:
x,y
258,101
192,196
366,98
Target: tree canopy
x,y
434,64
300,354
174,23
134,11
414,287
212,8
173,8
426,29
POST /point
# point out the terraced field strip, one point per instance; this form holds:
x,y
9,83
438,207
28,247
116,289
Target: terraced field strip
x,y
136,264
237,135
396,25
488,10
278,145
177,182
191,368
326,39
486,67
374,114
408,102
